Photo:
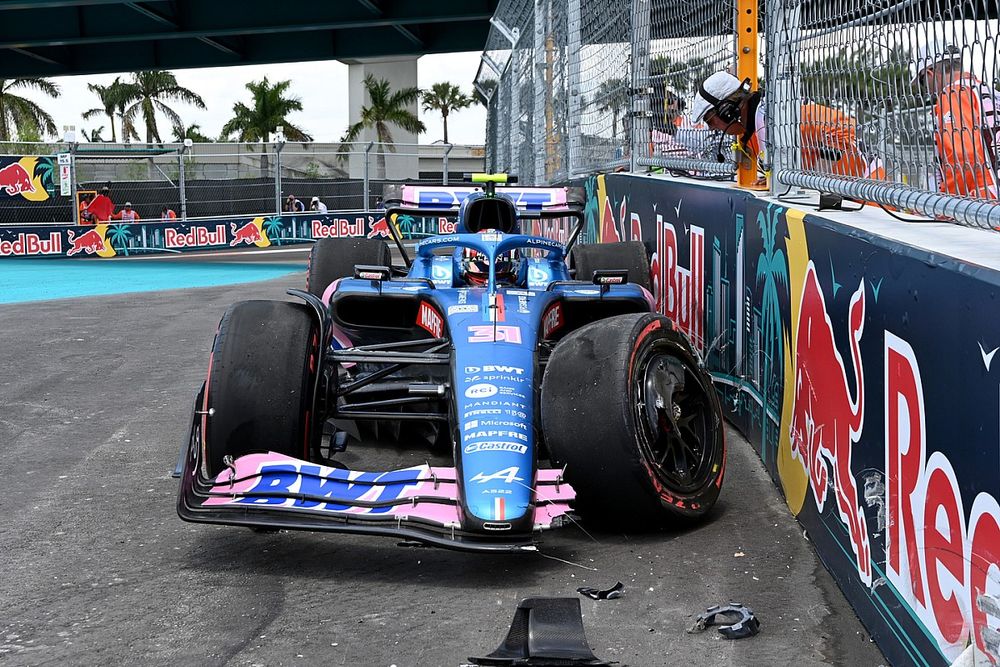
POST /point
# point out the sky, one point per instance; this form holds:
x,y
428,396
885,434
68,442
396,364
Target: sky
x,y
321,86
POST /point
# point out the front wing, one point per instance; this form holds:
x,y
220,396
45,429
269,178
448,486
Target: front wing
x,y
419,503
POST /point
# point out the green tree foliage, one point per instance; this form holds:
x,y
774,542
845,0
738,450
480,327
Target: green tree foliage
x,y
192,132
21,115
445,97
144,95
385,108
860,81
112,97
612,97
270,107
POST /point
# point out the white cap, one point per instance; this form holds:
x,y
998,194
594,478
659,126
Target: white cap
x,y
720,85
314,199
128,204
928,55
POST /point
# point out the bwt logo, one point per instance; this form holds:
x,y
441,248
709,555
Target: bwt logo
x,y
530,199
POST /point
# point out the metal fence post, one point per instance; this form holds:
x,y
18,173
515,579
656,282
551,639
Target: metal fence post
x,y
573,87
367,181
539,137
181,179
277,176
782,99
641,127
444,175
73,182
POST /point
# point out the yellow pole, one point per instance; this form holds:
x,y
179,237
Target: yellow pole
x,y
746,68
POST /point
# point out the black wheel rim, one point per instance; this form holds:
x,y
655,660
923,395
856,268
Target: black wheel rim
x,y
677,423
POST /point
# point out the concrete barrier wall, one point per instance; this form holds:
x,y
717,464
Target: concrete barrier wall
x,y
861,369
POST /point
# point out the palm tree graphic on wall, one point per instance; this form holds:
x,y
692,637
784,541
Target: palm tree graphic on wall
x,y
118,237
772,270
273,227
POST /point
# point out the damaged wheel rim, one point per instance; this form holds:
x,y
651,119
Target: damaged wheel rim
x,y
676,426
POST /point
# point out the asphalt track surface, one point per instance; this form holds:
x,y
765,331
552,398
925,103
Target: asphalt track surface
x,y
96,568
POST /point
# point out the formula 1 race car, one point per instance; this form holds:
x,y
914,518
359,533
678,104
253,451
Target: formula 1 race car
x,y
540,365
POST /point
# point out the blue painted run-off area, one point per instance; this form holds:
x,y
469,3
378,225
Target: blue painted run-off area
x,y
25,280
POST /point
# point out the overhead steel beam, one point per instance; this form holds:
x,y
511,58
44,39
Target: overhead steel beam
x,y
377,11
149,13
38,56
119,38
215,44
53,4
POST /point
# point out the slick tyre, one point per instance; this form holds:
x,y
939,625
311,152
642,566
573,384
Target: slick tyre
x,y
332,259
260,382
628,255
635,420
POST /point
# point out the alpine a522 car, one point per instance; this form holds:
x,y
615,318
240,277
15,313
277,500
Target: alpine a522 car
x,y
540,365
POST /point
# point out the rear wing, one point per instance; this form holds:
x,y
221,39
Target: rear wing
x,y
446,199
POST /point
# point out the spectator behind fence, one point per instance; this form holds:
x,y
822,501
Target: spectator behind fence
x,y
316,205
827,137
167,214
101,208
293,205
966,122
86,217
127,214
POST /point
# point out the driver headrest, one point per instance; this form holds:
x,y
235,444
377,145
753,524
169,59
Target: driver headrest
x,y
497,213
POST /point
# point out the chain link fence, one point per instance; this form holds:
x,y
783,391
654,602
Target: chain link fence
x,y
891,102
577,86
223,179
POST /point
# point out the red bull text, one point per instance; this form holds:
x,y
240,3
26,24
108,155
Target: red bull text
x,y
339,228
196,237
680,292
28,244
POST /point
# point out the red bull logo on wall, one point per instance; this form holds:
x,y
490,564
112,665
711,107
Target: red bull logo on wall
x,y
29,177
870,391
250,233
26,245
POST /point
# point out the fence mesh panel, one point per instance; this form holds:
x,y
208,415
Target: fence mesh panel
x,y
885,101
888,101
220,179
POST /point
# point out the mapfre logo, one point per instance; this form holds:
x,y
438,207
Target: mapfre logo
x,y
430,320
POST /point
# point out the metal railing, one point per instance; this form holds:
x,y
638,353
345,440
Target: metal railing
x,y
219,179
893,102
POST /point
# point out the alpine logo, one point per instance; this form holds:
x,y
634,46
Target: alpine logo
x,y
508,475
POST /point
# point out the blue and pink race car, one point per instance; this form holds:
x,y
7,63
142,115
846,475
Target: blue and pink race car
x,y
541,367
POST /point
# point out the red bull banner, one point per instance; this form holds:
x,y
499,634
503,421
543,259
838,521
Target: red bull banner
x,y
864,382
29,177
124,239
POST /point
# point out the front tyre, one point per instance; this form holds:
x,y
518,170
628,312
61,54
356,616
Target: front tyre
x,y
260,382
635,419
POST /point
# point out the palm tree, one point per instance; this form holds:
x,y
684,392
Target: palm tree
x,y
772,270
192,132
271,107
112,102
94,136
144,96
386,108
611,98
269,111
17,112
445,97
405,225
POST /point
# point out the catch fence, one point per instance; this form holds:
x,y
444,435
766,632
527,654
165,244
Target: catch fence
x,y
220,179
889,102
